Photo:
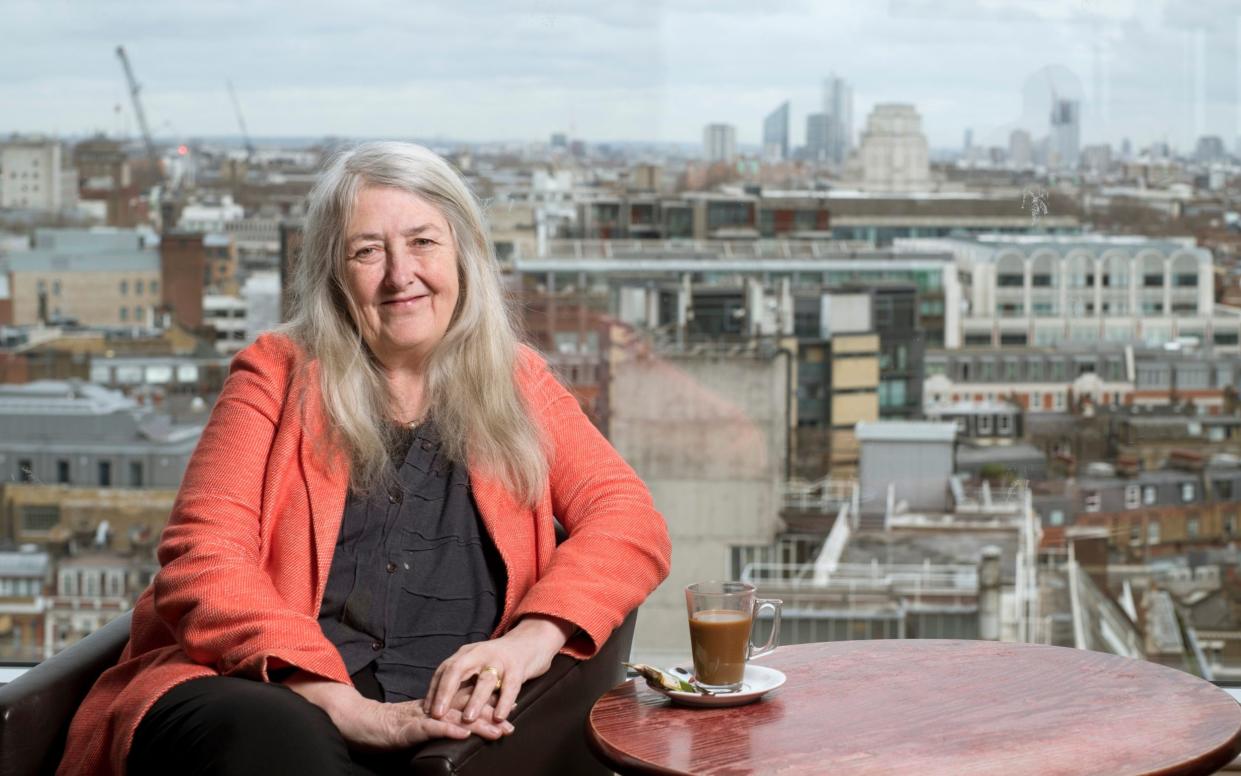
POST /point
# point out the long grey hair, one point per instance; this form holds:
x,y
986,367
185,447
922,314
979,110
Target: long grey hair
x,y
471,392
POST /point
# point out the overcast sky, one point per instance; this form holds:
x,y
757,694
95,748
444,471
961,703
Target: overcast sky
x,y
658,70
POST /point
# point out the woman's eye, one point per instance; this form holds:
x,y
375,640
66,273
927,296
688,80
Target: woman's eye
x,y
368,252
422,242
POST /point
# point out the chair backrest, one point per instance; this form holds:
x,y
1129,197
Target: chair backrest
x,y
37,707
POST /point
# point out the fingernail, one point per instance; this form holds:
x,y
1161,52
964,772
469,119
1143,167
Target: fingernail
x,y
439,710
469,716
508,727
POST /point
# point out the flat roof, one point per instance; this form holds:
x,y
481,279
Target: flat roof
x,y
905,431
677,264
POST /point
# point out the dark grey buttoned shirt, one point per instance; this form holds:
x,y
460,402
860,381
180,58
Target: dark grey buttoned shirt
x,y
414,575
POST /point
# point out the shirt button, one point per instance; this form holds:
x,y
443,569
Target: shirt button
x,y
394,497
391,567
377,645
427,445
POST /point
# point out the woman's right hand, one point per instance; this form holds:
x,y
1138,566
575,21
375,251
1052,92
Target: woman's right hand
x,y
368,724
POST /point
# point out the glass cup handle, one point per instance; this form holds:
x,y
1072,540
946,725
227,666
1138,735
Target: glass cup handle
x,y
775,604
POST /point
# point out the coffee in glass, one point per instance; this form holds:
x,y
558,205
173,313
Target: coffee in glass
x,y
721,616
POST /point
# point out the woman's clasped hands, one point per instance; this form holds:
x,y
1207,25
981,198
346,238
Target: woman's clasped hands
x,y
502,665
371,725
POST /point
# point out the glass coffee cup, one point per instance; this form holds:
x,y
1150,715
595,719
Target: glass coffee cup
x,y
721,616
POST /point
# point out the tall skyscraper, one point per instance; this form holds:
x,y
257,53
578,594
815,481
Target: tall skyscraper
x,y
838,107
719,142
816,137
1066,131
776,134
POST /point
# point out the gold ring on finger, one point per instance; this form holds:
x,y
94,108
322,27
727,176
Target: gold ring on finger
x,y
494,672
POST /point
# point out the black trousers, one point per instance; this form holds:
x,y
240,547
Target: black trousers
x,y
219,725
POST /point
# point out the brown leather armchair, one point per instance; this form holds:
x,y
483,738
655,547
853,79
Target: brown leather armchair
x,y
550,717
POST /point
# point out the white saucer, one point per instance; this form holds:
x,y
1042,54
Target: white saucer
x,y
755,683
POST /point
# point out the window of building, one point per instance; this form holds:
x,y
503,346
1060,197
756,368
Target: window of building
x,y
1058,400
39,518
1056,517
984,424
124,287
138,286
1133,497
55,288
90,583
154,286
1187,492
114,583
1092,501
1152,532
62,471
1152,280
1135,533
1004,425
68,582
105,474
1191,528
124,313
135,474
1149,495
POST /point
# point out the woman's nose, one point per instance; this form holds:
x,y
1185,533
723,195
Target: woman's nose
x,y
402,267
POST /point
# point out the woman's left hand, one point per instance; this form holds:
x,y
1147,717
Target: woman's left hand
x,y
525,652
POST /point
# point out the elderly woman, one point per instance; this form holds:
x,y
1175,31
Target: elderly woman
x,y
362,555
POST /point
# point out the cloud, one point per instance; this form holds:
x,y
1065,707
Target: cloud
x,y
477,69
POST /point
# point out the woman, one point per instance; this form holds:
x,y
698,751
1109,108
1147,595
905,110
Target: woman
x,y
362,555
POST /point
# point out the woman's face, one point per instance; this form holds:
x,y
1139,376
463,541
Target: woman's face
x,y
401,273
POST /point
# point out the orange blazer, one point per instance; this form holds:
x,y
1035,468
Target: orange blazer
x,y
246,552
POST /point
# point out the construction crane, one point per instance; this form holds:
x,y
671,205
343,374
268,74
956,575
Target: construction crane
x,y
152,155
245,136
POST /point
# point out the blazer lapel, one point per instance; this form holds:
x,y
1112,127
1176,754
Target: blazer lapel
x,y
511,527
327,482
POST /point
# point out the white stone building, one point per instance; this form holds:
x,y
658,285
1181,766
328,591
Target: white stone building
x,y
1047,290
32,176
894,153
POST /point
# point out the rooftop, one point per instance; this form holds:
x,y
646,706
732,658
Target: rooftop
x,y
905,431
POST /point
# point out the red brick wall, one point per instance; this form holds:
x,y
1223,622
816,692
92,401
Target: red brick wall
x,y
182,260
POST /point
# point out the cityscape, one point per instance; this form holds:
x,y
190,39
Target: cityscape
x,y
988,390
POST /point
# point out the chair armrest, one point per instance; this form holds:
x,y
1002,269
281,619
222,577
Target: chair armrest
x,y
550,718
37,707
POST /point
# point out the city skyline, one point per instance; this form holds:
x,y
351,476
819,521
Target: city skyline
x,y
1150,73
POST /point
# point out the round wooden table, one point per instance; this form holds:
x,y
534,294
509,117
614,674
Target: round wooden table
x,y
933,707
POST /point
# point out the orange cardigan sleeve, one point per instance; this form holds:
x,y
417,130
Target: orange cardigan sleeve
x,y
212,590
618,549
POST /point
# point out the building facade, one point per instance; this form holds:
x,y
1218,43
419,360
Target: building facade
x,y
34,177
776,134
1048,291
719,142
894,152
96,278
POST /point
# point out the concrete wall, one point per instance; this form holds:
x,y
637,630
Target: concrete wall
x,y
919,470
708,435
